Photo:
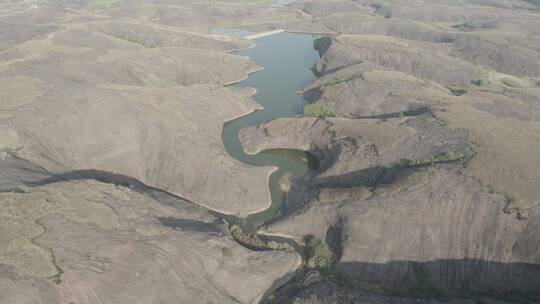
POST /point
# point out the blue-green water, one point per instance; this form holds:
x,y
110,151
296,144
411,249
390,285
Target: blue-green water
x,y
287,59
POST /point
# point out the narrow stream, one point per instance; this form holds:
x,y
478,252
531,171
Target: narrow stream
x,y
287,59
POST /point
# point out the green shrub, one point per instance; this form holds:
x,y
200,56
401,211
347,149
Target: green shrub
x,y
318,110
317,254
458,91
521,213
478,82
226,251
452,156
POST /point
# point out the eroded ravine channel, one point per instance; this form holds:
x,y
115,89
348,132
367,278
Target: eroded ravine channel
x,y
286,59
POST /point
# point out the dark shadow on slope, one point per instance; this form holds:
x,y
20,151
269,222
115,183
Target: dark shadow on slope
x,y
334,240
104,177
99,175
325,156
313,94
191,225
369,177
159,195
15,171
412,112
515,282
322,44
411,282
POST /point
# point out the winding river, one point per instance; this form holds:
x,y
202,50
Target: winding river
x,y
286,59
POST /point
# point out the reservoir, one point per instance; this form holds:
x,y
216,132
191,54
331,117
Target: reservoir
x,y
286,59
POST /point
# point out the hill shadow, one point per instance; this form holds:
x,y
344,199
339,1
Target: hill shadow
x,y
470,278
369,177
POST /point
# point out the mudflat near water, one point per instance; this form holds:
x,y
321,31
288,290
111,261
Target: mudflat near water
x,y
419,146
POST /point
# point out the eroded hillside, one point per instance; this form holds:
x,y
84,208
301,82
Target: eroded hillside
x,y
424,122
